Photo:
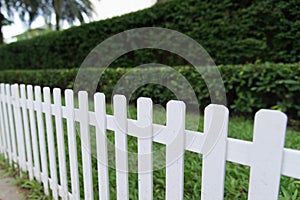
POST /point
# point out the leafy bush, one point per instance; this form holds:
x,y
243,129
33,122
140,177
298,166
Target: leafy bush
x,y
233,32
248,87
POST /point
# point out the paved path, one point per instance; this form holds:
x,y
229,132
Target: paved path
x,y
9,191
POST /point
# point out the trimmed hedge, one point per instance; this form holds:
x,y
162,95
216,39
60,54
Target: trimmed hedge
x,y
248,87
231,31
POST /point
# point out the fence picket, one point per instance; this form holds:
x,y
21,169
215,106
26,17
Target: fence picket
x,y
6,122
50,140
101,141
267,154
41,133
22,140
57,110
26,131
214,152
145,161
72,145
3,135
19,127
35,148
11,123
120,119
175,150
85,144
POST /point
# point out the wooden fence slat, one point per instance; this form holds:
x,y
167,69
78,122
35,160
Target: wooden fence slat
x,y
41,133
214,152
11,123
19,127
267,154
85,144
6,122
145,160
35,148
3,134
60,142
26,131
175,150
120,117
72,145
51,144
101,141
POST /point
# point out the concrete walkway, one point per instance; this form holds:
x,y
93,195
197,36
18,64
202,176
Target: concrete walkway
x,y
9,191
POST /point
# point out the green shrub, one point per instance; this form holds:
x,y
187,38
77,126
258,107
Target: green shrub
x,y
248,87
233,32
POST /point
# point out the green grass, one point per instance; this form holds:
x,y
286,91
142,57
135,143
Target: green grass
x,y
237,176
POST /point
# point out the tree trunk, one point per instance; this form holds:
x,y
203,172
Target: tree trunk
x,y
1,25
57,22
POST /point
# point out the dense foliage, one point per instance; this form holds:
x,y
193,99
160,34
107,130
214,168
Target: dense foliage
x,y
248,87
231,31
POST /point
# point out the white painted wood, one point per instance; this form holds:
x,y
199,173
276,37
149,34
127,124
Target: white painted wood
x,y
41,134
291,163
120,120
2,143
85,144
238,151
11,123
214,152
263,181
72,144
26,132
101,141
175,150
19,127
2,137
3,131
145,160
60,142
50,141
6,124
34,138
267,154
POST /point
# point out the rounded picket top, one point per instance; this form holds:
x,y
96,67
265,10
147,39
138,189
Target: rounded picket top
x,y
56,91
145,100
273,114
82,94
99,95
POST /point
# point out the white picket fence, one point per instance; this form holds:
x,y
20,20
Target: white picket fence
x,y
27,140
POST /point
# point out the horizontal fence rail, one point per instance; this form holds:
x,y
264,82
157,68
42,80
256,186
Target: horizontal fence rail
x,y
38,134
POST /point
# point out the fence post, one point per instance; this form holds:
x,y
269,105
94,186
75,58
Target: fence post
x,y
57,110
85,144
145,160
72,145
101,140
214,152
267,153
50,140
175,148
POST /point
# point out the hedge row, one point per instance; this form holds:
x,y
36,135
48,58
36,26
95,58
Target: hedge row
x,y
248,87
231,31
